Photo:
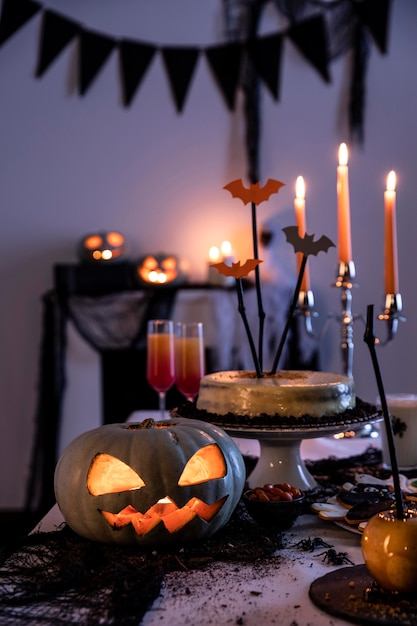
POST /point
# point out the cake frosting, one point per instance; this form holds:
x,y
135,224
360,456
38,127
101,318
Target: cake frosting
x,y
286,393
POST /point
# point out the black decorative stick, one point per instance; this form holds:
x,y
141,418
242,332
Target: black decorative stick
x,y
242,311
290,314
261,312
370,341
255,194
307,245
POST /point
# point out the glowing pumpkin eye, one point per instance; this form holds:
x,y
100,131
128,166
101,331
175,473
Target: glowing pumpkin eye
x,y
115,239
110,475
169,263
206,464
93,242
150,262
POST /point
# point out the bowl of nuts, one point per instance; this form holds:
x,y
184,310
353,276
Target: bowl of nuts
x,y
276,505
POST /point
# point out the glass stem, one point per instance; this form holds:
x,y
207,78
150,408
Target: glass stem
x,y
162,395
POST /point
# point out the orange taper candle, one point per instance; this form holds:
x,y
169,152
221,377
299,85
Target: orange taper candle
x,y
343,207
391,255
299,206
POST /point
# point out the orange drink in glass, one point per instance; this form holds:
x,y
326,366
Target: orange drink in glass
x,y
160,363
189,358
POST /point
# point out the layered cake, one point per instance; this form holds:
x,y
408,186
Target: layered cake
x,y
296,398
288,392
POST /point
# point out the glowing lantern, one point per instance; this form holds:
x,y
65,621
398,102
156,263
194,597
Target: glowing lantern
x,y
159,269
148,483
102,247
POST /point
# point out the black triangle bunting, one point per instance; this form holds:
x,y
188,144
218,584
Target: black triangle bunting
x,y
14,15
180,65
375,16
56,34
135,58
94,51
266,56
310,37
225,64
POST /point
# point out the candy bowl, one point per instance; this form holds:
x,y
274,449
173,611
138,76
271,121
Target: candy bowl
x,y
274,505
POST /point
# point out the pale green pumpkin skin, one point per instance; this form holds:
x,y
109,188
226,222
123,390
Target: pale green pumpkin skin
x,y
158,455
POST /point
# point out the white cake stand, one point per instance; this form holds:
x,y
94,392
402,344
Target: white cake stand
x,y
280,457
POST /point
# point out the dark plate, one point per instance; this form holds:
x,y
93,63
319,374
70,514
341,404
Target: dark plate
x,y
343,593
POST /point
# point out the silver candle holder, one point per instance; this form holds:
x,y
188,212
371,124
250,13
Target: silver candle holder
x,y
346,274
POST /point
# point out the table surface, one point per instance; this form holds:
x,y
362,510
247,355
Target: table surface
x,y
259,593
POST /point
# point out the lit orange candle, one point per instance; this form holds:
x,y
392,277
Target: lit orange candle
x,y
299,206
391,255
343,207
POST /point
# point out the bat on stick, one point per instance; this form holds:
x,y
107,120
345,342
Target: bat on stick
x,y
236,269
254,193
306,244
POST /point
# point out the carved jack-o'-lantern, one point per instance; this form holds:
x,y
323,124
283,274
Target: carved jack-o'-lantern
x,y
105,246
159,269
149,483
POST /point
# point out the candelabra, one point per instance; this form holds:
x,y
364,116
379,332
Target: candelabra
x,y
345,282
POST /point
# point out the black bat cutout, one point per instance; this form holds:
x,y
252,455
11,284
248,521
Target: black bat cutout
x,y
306,244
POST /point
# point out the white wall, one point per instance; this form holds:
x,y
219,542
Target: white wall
x,y
70,165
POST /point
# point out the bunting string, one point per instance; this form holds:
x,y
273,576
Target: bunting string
x,y
310,30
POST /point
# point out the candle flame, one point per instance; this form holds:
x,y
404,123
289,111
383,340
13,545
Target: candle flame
x,y
343,154
157,277
214,253
391,181
226,247
300,189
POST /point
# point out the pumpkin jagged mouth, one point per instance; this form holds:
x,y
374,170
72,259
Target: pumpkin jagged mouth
x,y
165,511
